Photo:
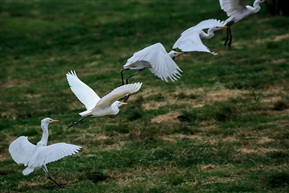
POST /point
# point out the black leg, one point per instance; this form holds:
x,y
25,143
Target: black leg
x,y
137,72
230,38
49,177
121,74
227,37
74,123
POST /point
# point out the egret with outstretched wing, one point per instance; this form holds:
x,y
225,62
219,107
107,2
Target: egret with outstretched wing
x,y
96,106
237,10
37,156
157,60
190,39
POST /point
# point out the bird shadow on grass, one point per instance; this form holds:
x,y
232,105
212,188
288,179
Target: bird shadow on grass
x,y
96,176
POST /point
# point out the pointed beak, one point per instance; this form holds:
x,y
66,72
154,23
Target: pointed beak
x,y
223,27
123,103
55,120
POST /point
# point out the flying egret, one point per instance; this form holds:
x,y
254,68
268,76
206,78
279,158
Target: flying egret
x,y
37,156
237,10
96,106
157,60
190,39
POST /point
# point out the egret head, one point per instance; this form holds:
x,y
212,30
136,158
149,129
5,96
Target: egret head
x,y
174,54
46,121
220,27
117,104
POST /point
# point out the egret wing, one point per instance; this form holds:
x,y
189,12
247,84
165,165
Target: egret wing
x,y
57,151
21,150
83,92
144,54
190,43
118,93
232,6
203,25
162,65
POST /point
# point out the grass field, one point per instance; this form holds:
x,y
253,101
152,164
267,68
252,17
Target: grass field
x,y
222,127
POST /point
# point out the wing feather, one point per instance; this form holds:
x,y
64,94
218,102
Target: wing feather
x,y
83,92
118,93
203,25
57,151
232,6
191,43
21,150
160,63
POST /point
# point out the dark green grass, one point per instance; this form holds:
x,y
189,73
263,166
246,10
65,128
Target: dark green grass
x,y
222,127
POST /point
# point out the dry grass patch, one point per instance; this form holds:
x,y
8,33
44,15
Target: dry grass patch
x,y
178,137
259,151
223,95
270,39
264,140
281,37
230,139
202,97
207,167
171,117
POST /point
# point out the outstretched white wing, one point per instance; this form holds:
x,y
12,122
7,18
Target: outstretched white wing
x,y
162,65
56,151
118,93
232,6
21,150
203,25
83,92
191,43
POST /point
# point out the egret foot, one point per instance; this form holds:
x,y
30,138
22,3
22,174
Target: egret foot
x,y
59,185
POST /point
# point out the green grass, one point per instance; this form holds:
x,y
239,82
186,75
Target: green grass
x,y
222,127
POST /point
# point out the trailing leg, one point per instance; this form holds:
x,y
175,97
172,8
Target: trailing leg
x,y
137,72
226,39
121,74
230,38
49,176
74,123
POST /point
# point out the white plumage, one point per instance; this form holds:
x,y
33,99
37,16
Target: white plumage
x,y
236,10
83,92
157,60
190,39
96,106
37,156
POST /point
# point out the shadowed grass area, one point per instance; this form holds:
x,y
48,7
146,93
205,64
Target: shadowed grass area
x,y
222,127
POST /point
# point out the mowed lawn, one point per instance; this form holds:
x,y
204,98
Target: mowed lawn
x,y
222,127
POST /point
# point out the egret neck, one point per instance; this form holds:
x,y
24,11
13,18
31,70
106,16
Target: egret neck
x,y
44,137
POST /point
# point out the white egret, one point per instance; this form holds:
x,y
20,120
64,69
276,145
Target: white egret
x,y
237,10
37,156
190,39
157,60
96,106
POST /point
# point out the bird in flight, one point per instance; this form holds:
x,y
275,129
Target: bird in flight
x,y
37,156
237,10
96,106
157,60
191,39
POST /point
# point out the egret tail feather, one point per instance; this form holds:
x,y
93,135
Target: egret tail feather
x,y
27,171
